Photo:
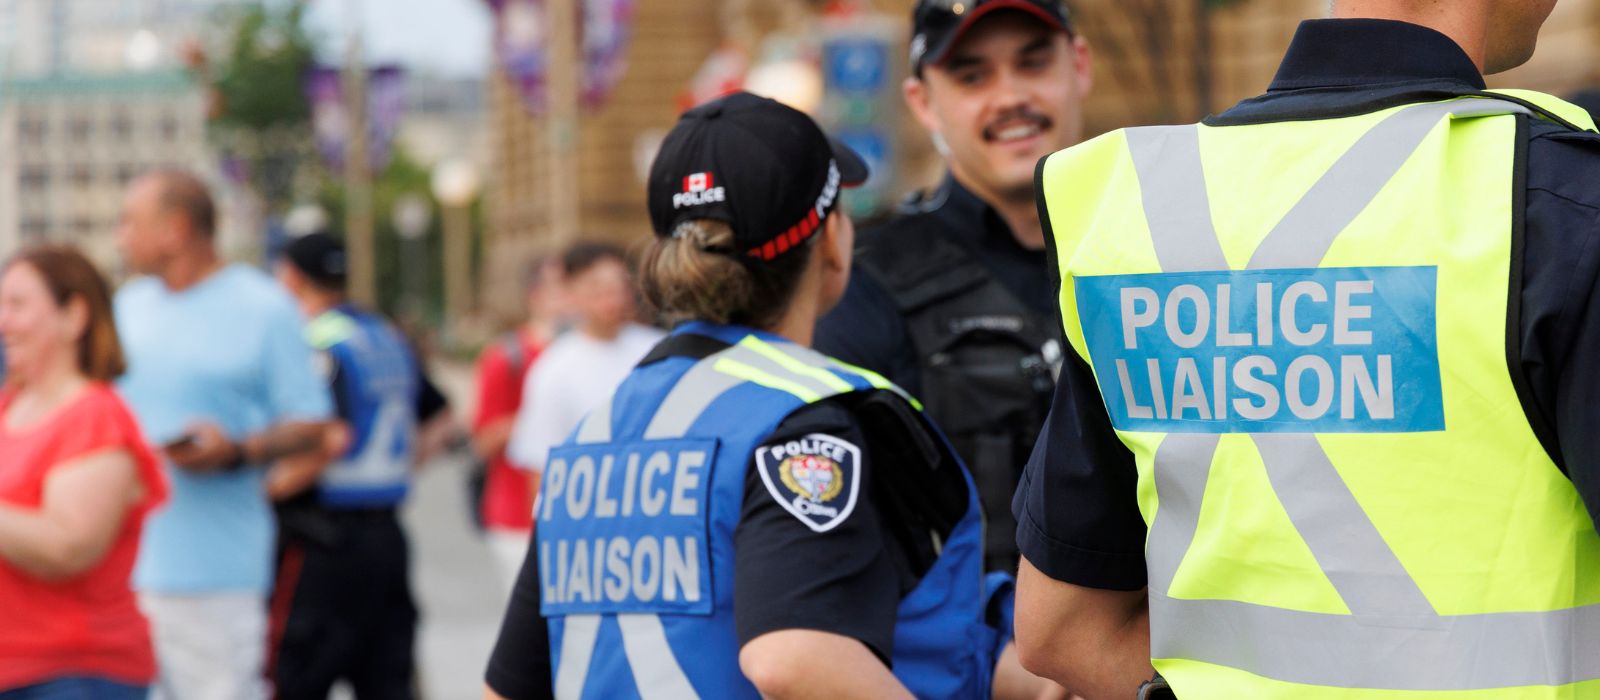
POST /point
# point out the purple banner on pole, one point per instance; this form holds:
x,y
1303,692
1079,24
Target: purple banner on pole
x,y
330,117
522,40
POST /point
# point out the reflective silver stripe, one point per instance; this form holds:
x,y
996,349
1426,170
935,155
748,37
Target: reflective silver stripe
x,y
578,633
1182,467
703,384
700,386
656,672
1176,206
1394,639
1347,546
596,427
1460,652
1304,235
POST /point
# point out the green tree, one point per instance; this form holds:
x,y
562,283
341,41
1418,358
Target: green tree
x,y
260,118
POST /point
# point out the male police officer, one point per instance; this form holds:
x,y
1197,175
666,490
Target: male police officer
x,y
342,576
1344,340
956,304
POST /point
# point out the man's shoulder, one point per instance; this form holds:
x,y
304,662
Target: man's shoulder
x,y
1565,163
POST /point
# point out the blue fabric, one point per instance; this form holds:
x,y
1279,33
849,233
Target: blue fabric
x,y
376,392
942,647
228,350
77,688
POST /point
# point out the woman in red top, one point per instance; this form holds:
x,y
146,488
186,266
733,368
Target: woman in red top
x,y
76,481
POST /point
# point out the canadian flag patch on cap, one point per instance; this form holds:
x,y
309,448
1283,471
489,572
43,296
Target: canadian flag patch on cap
x,y
698,189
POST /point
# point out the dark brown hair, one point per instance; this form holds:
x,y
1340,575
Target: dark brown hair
x,y
69,275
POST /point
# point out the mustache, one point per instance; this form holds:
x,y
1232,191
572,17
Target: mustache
x,y
1017,115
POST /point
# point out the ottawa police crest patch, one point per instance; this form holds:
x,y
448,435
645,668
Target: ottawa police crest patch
x,y
816,478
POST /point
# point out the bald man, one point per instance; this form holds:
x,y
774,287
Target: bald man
x,y
219,375
1327,428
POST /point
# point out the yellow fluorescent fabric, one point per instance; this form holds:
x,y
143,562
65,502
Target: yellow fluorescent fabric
x,y
1476,514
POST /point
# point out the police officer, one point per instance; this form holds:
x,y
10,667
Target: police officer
x,y
952,299
747,517
343,608
1344,336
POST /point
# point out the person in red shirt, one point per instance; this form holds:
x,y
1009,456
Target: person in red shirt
x,y
508,492
76,482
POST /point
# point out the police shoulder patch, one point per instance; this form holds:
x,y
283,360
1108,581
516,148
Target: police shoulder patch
x,y
816,478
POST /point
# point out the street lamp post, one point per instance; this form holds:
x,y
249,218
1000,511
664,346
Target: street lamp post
x,y
412,213
455,185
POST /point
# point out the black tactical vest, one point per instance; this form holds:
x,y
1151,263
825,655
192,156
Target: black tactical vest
x,y
987,361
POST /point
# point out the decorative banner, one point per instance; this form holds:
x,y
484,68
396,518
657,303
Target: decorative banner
x,y
330,119
861,97
522,39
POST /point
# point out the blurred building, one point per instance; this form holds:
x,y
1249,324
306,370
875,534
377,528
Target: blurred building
x,y
92,93
1155,61
70,143
444,119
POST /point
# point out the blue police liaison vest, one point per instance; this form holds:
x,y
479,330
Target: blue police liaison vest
x,y
635,532
376,395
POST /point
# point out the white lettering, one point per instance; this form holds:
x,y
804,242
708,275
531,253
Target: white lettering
x,y
686,480
1292,381
617,569
1188,391
1202,316
546,574
555,478
1344,311
1286,314
1134,409
1219,387
652,499
1355,377
682,565
1244,377
605,505
578,583
1133,319
1264,314
628,482
646,568
1158,394
580,493
1227,338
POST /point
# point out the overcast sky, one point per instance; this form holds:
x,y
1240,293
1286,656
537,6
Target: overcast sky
x,y
448,37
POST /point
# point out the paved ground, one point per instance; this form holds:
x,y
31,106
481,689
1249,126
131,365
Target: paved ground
x,y
458,591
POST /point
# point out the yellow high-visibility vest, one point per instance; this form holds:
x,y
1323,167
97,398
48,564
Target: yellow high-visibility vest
x,y
1300,331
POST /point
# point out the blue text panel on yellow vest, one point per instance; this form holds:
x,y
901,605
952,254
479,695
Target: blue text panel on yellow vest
x,y
623,528
1267,351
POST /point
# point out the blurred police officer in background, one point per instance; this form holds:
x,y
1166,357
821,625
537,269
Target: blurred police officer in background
x,y
746,517
952,299
343,609
1346,344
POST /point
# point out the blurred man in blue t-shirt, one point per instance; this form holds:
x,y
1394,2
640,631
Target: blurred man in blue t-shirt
x,y
220,375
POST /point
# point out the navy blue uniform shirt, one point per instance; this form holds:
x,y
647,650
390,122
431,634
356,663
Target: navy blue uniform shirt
x,y
1077,515
866,328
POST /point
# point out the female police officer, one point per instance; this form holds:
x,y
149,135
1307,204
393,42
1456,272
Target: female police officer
x,y
746,515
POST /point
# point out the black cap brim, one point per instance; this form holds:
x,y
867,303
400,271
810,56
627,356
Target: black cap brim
x,y
938,53
853,170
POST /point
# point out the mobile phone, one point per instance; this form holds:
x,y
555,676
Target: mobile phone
x,y
180,442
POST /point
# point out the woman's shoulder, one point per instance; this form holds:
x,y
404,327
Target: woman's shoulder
x,y
101,417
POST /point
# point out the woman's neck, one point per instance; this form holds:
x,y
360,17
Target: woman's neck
x,y
45,391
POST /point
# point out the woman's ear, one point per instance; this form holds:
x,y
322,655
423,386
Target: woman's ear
x,y
838,242
75,318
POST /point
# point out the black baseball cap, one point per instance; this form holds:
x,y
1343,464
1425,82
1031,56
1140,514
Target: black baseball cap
x,y
936,25
761,167
321,257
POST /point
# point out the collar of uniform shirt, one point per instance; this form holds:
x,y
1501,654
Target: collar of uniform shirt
x,y
1330,53
970,217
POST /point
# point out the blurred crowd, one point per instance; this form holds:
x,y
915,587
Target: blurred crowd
x,y
201,471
